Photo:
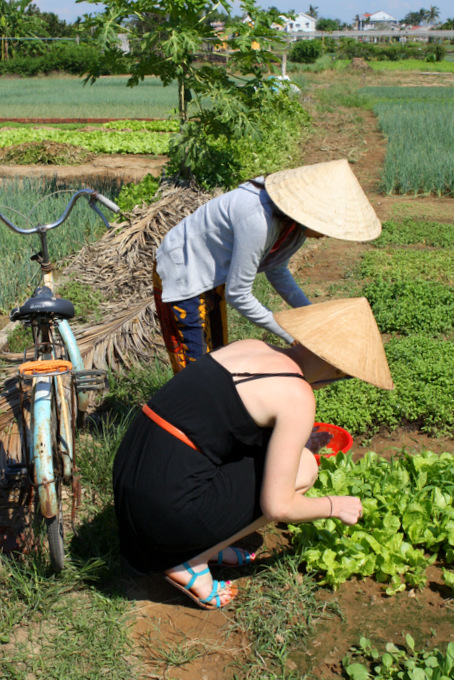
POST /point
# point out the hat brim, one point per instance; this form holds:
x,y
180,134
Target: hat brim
x,y
327,198
343,333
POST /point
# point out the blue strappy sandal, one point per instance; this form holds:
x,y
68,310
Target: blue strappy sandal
x,y
242,561
204,603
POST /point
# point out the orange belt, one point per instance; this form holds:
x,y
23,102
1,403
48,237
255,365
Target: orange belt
x,y
168,427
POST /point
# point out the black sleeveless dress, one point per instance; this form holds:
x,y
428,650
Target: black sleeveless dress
x,y
173,502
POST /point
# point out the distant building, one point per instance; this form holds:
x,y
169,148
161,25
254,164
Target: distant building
x,y
124,42
301,23
377,20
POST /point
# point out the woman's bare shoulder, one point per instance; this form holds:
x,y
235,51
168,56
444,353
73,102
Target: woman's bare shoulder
x,y
254,356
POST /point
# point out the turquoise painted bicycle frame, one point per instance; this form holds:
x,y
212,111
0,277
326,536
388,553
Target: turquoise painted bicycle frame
x,y
42,448
75,358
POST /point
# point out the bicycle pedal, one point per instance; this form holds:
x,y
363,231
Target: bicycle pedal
x,y
86,381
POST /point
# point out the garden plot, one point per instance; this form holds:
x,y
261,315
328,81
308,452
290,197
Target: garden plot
x,y
284,624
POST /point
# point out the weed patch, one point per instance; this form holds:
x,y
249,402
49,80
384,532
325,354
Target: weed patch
x,y
277,613
45,153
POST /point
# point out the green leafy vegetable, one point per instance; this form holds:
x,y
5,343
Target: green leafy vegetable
x,y
408,512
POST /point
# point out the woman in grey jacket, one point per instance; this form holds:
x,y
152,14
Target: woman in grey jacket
x,y
213,256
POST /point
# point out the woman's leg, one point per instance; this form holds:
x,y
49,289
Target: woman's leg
x,y
204,584
307,471
307,474
192,327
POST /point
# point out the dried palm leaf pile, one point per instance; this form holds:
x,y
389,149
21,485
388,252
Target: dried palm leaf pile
x,y
120,266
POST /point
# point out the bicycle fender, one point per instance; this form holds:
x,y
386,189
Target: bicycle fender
x,y
42,447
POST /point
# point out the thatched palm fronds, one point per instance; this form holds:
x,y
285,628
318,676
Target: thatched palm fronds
x,y
131,336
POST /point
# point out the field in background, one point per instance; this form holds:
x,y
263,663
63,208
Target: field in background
x,y
68,97
419,125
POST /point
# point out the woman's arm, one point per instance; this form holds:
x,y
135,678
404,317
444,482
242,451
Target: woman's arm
x,y
283,283
288,467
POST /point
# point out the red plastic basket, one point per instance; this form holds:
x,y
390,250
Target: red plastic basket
x,y
341,441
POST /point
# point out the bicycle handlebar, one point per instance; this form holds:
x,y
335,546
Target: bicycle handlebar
x,y
92,197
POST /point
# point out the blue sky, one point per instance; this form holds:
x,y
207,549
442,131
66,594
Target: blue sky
x,y
345,10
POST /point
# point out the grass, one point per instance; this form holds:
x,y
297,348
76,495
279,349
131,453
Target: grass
x,y
51,621
413,65
68,97
277,612
21,202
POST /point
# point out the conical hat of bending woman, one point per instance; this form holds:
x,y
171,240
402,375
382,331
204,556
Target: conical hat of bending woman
x,y
343,333
327,198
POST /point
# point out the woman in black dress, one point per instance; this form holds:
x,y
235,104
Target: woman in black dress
x,y
220,450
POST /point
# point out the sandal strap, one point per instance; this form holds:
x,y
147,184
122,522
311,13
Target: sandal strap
x,y
239,556
214,595
195,575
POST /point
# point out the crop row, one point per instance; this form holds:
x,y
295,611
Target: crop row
x,y
98,141
419,125
67,97
411,291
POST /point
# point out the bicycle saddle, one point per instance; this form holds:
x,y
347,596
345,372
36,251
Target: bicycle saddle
x,y
43,300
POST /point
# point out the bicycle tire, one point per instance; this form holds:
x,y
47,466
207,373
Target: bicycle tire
x,y
54,528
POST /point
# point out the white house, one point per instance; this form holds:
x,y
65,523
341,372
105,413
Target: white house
x,y
302,22
376,20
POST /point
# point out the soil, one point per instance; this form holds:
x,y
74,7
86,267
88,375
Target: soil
x,y
165,619
123,168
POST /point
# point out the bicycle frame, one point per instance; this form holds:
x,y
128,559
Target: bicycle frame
x,y
41,444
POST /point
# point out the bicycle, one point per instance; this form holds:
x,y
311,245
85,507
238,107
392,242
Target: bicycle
x,y
54,389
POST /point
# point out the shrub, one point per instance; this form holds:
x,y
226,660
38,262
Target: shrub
x,y
68,57
136,194
306,51
220,153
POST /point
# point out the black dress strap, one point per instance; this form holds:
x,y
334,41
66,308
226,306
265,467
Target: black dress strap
x,y
245,377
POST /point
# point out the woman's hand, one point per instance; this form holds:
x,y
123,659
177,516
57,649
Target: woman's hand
x,y
346,508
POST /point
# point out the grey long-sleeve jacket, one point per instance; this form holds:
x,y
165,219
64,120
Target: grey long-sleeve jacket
x,y
228,240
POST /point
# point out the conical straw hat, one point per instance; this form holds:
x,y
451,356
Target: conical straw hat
x,y
327,198
345,334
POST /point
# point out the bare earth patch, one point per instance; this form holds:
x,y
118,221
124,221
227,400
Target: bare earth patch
x,y
127,168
